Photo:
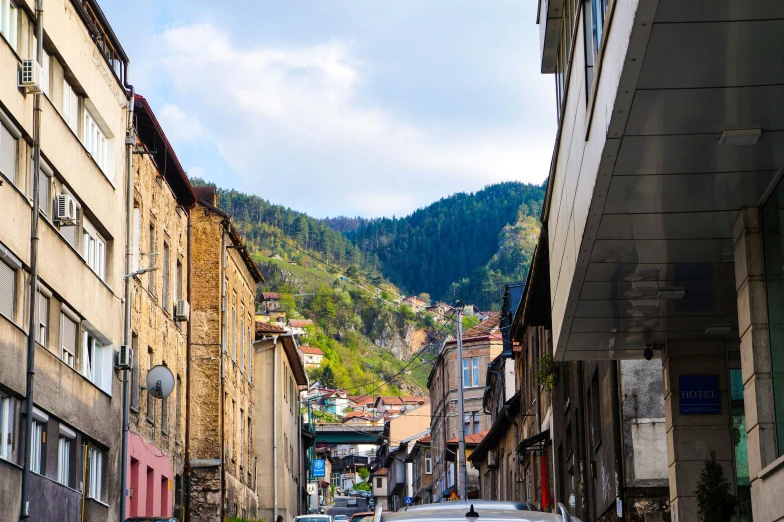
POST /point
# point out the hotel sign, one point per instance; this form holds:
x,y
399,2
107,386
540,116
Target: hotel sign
x,y
699,394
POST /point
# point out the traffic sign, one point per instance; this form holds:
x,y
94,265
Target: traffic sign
x,y
318,468
453,496
409,501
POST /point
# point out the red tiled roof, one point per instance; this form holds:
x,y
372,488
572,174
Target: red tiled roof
x,y
311,350
382,471
425,440
266,296
362,399
474,438
356,414
300,323
268,328
487,328
407,399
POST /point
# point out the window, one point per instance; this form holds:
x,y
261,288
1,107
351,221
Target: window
x,y
166,305
69,339
95,141
93,249
37,447
95,476
178,408
470,372
7,290
562,56
137,239
428,463
150,398
241,440
63,459
44,66
178,280
95,361
231,428
250,349
378,483
285,453
242,341
44,189
165,413
250,440
70,107
6,427
476,422
151,258
9,19
42,312
594,12
234,329
135,371
467,422
8,144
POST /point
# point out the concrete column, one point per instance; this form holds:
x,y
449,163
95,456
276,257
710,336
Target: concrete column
x,y
691,437
767,483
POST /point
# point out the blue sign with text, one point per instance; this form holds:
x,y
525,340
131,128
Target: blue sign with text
x,y
318,468
699,394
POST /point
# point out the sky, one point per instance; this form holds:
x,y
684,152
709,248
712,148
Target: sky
x,y
345,107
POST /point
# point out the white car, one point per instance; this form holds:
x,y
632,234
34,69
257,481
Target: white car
x,y
340,518
351,502
479,511
313,518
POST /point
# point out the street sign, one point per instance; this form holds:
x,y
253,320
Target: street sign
x,y
409,501
311,489
318,468
453,496
699,394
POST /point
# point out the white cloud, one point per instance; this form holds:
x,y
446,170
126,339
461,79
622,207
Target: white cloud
x,y
290,122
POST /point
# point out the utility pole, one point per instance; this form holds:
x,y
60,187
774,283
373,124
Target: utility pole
x,y
462,474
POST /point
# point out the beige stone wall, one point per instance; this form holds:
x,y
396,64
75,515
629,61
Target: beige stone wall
x,y
156,337
222,283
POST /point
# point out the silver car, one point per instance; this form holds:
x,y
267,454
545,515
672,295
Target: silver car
x,y
477,511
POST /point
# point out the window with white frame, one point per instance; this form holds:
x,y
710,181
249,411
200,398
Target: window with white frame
x,y
166,275
428,463
96,361
250,349
69,339
471,372
45,66
37,446
7,288
95,141
93,249
95,476
70,107
137,238
65,444
8,148
44,188
234,329
42,318
242,340
9,20
6,427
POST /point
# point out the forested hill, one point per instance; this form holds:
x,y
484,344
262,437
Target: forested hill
x,y
449,249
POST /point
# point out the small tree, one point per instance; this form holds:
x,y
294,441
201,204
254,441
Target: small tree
x,y
715,502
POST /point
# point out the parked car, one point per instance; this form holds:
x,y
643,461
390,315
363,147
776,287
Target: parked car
x,y
486,510
313,518
152,519
352,502
364,516
340,518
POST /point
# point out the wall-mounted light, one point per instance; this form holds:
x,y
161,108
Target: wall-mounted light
x,y
671,293
718,329
738,138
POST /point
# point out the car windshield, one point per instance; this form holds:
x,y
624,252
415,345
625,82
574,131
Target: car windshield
x,y
312,519
341,517
363,518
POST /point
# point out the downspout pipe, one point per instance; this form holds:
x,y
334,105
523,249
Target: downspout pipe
x,y
617,436
581,441
130,142
32,313
188,377
224,353
275,425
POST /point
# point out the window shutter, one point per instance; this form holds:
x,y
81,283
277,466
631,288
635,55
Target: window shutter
x,y
7,154
137,239
7,290
44,198
42,311
68,335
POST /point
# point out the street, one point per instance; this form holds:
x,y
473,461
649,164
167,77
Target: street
x,y
340,507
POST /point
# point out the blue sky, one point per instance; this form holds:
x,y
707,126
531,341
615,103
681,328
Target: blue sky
x,y
352,107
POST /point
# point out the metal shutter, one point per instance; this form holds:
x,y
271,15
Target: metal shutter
x,y
43,196
42,305
7,154
70,331
7,290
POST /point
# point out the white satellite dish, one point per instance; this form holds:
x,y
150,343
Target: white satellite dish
x,y
160,382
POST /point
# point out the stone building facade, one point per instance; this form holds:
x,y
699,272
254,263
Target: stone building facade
x,y
221,403
78,311
481,344
278,373
162,199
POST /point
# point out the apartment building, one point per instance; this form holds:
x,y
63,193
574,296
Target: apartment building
x,y
278,466
162,199
663,213
77,309
221,406
481,344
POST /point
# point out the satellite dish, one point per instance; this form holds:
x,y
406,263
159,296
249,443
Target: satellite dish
x,y
160,382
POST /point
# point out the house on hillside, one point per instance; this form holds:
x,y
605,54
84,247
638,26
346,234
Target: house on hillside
x,y
334,402
362,402
311,356
391,406
442,312
378,480
415,303
297,326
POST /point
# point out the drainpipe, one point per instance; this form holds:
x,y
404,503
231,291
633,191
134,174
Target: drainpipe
x,y
581,455
275,424
30,385
299,455
617,436
223,327
130,141
189,289
538,467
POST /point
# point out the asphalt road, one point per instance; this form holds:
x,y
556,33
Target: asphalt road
x,y
340,507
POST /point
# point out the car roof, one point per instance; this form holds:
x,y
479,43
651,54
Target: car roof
x,y
485,515
478,504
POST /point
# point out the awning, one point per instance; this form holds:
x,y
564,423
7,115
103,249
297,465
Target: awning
x,y
424,492
536,439
397,489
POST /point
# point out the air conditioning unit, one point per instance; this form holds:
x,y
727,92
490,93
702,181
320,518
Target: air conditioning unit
x,y
66,209
492,459
182,310
31,76
124,357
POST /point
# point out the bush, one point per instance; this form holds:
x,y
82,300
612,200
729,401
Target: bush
x,y
715,502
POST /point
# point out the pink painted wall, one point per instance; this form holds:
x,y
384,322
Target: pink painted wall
x,y
149,479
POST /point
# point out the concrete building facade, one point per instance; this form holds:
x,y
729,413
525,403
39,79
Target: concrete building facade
x,y
77,308
220,444
663,216
279,373
162,201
